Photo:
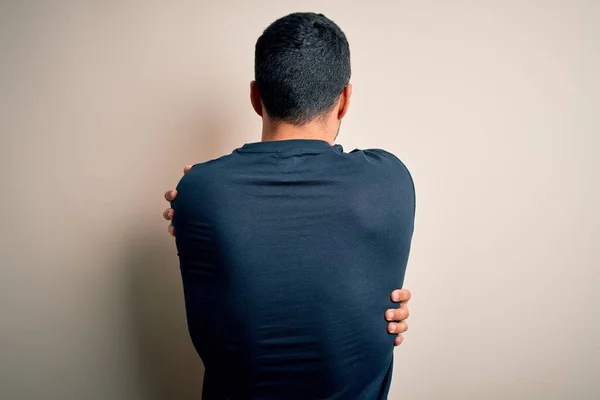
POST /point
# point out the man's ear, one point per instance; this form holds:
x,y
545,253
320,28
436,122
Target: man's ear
x,y
344,101
255,99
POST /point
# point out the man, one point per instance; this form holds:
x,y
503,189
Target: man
x,y
268,234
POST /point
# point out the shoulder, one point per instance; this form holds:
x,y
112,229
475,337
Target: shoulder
x,y
383,160
205,173
387,169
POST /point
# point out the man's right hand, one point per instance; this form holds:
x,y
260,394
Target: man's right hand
x,y
170,195
395,316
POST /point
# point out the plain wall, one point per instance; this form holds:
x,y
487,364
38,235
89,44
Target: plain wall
x,y
493,105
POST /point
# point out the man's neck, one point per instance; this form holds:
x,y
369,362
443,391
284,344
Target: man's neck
x,y
311,130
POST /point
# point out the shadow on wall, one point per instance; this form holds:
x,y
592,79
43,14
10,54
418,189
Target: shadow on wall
x,y
167,360
169,365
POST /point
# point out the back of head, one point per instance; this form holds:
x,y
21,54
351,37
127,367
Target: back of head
x,y
302,64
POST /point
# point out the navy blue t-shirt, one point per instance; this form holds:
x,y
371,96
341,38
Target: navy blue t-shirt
x,y
289,251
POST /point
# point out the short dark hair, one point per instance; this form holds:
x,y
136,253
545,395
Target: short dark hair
x,y
301,66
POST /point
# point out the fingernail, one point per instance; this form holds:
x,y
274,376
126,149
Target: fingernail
x,y
390,314
395,297
392,328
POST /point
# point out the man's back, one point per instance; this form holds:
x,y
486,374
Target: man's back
x,y
268,237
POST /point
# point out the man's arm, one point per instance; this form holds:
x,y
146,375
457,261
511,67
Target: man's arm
x,y
395,316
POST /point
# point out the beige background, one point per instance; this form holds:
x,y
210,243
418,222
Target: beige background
x,y
493,105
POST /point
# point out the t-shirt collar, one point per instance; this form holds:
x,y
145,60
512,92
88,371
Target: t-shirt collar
x,y
289,146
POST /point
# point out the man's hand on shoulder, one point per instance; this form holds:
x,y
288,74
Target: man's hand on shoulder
x,y
170,195
395,316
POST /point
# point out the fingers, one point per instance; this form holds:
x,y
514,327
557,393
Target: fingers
x,y
168,214
397,327
170,195
399,295
398,314
399,339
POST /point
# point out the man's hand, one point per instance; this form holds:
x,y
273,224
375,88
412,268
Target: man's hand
x,y
170,195
395,316
398,316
